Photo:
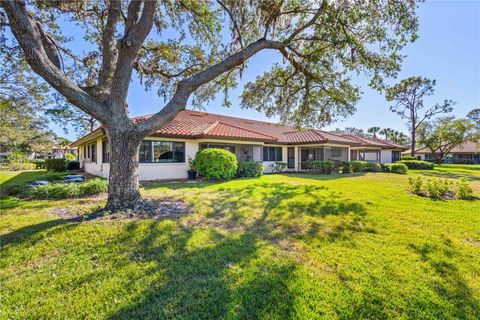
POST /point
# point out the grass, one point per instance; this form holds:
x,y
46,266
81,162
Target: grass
x,y
297,246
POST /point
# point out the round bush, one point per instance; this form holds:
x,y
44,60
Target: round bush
x,y
249,169
355,166
58,165
417,164
215,163
408,158
373,167
395,168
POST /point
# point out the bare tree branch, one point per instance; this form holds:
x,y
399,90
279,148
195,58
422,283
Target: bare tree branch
x,y
234,22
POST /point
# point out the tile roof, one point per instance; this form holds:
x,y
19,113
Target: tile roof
x,y
467,147
196,124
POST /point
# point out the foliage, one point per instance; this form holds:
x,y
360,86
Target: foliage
x,y
355,166
57,165
317,166
39,163
417,164
17,166
373,167
278,166
373,131
474,116
213,163
463,190
73,165
17,157
69,190
440,136
416,185
408,96
23,128
395,168
437,188
64,114
249,169
17,181
70,156
408,158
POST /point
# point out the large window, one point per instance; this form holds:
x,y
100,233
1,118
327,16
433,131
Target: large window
x,y
272,153
218,146
105,151
161,151
94,152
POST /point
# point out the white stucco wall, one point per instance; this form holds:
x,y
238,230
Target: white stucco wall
x,y
386,156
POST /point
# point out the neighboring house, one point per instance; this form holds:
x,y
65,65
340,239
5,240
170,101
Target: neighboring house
x,y
57,152
468,152
164,154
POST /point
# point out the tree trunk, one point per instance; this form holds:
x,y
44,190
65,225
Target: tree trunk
x,y
414,138
123,188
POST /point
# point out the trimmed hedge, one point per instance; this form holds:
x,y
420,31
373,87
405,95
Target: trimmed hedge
x,y
249,169
317,166
417,164
57,165
373,167
39,163
355,166
69,190
408,158
395,168
215,163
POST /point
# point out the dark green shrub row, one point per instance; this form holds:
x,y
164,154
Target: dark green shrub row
x,y
317,166
249,169
407,158
215,163
373,167
395,168
417,164
69,190
355,166
39,163
57,165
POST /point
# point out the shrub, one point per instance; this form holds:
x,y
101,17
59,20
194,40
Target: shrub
x,y
73,165
69,190
317,166
215,163
17,157
57,165
17,166
70,157
416,185
417,164
463,190
407,158
249,169
373,167
39,163
395,168
355,166
278,166
437,188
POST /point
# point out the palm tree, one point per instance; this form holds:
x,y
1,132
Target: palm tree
x,y
373,130
386,132
402,139
394,136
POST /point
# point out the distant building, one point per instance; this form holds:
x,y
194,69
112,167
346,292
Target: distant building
x,y
468,153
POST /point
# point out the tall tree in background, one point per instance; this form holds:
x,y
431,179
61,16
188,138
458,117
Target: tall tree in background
x,y
442,135
408,96
67,116
321,42
373,131
474,115
386,132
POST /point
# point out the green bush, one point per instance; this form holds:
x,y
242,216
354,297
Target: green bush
x,y
249,169
417,164
373,167
17,157
355,166
70,157
395,168
407,158
437,188
463,190
69,190
317,166
17,166
39,163
416,185
57,165
215,163
278,166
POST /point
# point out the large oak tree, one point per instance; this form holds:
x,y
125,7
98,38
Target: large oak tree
x,y
182,49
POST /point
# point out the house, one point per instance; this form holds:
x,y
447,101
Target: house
x,y
164,154
468,153
57,152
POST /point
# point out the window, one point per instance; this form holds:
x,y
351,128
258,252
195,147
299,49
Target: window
x,y
161,151
218,146
94,151
395,156
84,152
105,151
272,153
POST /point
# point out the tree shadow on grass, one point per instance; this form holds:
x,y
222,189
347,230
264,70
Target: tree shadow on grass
x,y
324,177
448,284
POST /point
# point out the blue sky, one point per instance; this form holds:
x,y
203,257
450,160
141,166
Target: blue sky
x,y
448,50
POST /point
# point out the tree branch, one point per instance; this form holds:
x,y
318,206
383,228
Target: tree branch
x,y
29,35
234,22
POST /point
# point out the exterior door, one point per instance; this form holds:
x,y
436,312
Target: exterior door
x,y
291,157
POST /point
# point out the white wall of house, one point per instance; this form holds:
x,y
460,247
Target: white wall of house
x,y
386,156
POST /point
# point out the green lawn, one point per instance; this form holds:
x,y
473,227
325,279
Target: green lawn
x,y
280,246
